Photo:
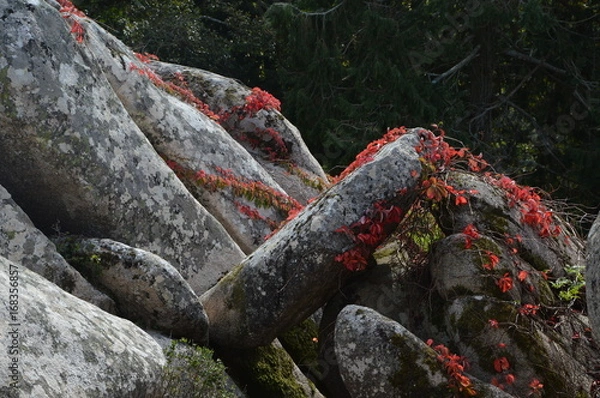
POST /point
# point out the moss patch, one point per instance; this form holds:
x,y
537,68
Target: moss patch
x,y
300,342
411,379
268,372
237,295
90,265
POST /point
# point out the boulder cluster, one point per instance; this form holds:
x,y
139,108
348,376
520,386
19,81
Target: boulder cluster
x,y
165,232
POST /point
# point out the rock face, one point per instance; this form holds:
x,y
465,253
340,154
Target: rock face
x,y
64,347
379,358
487,296
24,244
294,273
89,167
182,134
147,289
295,170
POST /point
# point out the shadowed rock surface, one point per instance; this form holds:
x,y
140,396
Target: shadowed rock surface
x,y
147,289
24,244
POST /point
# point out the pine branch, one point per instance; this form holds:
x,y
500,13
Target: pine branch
x,y
528,58
458,66
310,14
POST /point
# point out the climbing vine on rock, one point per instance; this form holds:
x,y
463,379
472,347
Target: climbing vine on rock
x,y
455,366
177,87
256,192
436,156
368,233
71,13
435,192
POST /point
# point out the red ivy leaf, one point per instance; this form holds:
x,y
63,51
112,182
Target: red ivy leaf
x,y
460,200
501,364
522,275
505,283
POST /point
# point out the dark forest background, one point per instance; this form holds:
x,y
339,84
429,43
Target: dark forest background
x,y
518,81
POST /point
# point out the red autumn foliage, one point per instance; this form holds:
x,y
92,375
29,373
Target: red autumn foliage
x,y
471,232
454,365
368,233
435,189
68,11
255,191
529,309
258,100
493,260
522,275
501,364
509,378
536,387
254,214
369,152
179,89
533,212
505,283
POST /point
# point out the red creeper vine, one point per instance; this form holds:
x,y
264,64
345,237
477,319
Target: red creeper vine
x,y
69,11
454,365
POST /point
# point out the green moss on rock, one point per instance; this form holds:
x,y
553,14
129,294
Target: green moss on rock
x,y
268,372
412,379
237,295
300,342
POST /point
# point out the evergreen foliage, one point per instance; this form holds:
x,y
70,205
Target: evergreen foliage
x,y
227,37
516,80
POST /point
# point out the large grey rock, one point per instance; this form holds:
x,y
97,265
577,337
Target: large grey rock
x,y
61,346
559,356
457,271
181,133
379,358
70,152
223,94
147,289
592,277
493,212
294,273
22,243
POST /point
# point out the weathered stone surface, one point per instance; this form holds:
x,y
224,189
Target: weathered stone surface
x,y
491,212
66,347
181,133
457,271
147,289
24,244
70,152
592,277
558,356
294,273
222,94
379,358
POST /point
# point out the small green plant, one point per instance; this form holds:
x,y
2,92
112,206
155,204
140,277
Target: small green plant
x,y
571,287
191,372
